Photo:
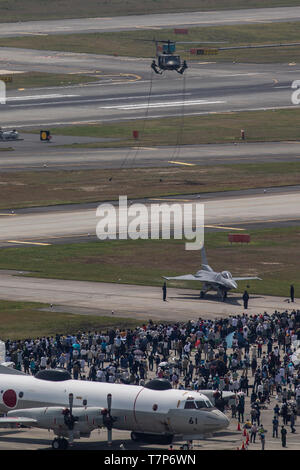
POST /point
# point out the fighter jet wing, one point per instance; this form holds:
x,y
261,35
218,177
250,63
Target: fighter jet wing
x,y
246,278
185,277
203,276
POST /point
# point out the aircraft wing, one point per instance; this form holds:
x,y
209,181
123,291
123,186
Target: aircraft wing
x,y
203,276
185,277
246,278
16,420
210,394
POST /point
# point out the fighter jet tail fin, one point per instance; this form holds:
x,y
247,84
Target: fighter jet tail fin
x,y
203,256
205,265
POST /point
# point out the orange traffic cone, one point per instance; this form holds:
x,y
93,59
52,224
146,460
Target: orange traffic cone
x,y
239,427
243,446
245,432
247,439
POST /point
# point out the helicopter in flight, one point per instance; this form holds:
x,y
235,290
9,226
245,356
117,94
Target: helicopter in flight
x,y
168,60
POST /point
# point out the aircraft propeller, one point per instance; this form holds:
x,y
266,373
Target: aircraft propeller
x,y
108,419
69,418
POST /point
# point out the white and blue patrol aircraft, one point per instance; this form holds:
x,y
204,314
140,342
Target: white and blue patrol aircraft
x,y
74,408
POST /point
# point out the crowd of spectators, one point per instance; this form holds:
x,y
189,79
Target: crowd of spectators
x,y
224,355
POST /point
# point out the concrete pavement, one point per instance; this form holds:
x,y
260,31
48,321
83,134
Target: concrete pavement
x,y
140,302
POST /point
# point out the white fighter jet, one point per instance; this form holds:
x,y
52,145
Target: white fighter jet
x,y
221,282
74,408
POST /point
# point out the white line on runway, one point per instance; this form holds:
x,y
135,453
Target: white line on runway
x,y
82,101
38,97
136,118
162,105
242,74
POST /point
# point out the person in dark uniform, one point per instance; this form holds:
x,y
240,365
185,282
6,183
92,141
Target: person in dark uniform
x,y
245,299
164,289
283,436
292,293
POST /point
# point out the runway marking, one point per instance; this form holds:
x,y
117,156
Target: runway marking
x,y
163,105
27,243
262,221
32,34
9,215
38,97
182,163
173,200
82,101
144,148
242,74
224,228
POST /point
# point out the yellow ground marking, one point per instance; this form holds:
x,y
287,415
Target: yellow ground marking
x,y
224,228
182,163
27,243
5,215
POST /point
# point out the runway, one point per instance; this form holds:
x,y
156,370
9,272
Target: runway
x,y
32,155
52,225
140,302
128,90
101,24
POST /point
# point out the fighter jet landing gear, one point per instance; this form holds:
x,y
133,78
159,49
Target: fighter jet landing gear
x,y
202,294
60,443
222,295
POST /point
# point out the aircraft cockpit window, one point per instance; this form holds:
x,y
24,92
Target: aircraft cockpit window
x,y
226,275
189,405
203,404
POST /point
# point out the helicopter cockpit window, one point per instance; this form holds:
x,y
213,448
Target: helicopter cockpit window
x,y
226,275
169,60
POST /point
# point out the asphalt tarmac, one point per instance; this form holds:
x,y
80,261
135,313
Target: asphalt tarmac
x,y
100,298
101,24
128,90
50,225
32,154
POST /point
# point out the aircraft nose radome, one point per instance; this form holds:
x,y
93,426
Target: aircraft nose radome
x,y
223,420
226,421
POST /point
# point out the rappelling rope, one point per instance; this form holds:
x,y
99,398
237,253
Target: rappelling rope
x,y
181,124
145,118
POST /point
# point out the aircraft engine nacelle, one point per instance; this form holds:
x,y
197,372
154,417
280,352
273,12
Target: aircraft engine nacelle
x,y
52,417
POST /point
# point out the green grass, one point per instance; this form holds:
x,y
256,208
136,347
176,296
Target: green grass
x,y
25,10
41,79
259,126
128,43
273,255
21,320
29,189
